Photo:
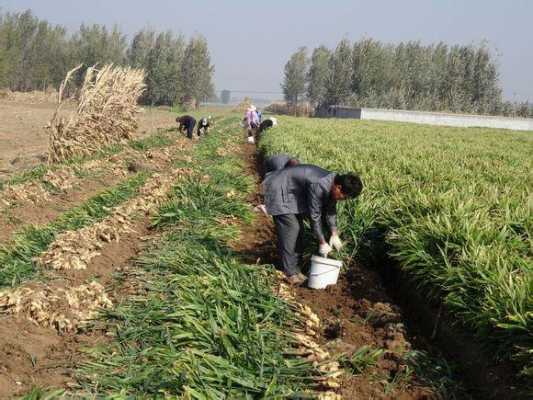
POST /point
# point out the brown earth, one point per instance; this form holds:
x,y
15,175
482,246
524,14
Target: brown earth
x,y
126,162
13,219
356,312
45,357
24,141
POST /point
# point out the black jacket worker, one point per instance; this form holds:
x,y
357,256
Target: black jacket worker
x,y
187,123
278,162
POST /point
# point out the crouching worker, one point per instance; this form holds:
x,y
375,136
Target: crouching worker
x,y
251,122
203,126
294,193
267,124
186,123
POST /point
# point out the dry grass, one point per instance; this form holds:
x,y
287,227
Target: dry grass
x,y
106,112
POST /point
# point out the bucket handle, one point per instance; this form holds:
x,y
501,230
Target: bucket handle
x,y
325,272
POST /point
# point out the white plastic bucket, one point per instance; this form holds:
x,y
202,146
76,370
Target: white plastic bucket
x,y
324,272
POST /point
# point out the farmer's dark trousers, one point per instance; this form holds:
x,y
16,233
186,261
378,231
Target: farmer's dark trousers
x,y
289,230
190,130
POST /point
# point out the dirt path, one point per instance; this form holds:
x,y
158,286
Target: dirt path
x,y
356,312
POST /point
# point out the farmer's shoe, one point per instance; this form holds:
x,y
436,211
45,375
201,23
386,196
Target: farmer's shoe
x,y
302,276
296,279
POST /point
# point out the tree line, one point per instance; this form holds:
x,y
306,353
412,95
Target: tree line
x,y
36,55
407,75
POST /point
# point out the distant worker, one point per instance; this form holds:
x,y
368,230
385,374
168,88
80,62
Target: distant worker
x,y
251,121
186,123
203,126
305,191
267,124
259,116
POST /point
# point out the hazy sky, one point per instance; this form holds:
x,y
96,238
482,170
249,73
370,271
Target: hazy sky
x,y
251,41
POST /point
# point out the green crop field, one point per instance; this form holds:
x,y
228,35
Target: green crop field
x,y
452,206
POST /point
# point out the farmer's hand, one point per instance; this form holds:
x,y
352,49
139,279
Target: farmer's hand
x,y
335,241
324,249
261,208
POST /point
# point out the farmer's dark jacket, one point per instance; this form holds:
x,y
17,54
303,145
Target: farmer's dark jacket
x,y
186,120
302,189
276,162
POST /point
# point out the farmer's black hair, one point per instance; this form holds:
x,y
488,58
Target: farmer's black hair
x,y
351,184
292,162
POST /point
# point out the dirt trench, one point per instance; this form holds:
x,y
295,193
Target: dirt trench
x,y
356,312
369,308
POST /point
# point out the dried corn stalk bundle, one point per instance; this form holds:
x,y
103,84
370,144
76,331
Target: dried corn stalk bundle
x,y
105,115
74,250
63,309
32,192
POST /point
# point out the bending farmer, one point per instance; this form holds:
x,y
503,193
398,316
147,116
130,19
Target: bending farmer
x,y
251,120
186,123
300,191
